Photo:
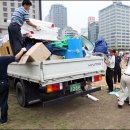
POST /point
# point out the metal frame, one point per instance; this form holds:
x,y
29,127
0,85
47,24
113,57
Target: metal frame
x,y
77,94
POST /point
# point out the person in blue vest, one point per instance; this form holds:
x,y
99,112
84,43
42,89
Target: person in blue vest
x,y
19,16
4,87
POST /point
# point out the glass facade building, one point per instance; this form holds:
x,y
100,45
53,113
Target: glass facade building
x,y
114,25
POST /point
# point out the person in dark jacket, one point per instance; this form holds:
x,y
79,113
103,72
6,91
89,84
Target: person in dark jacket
x,y
4,87
117,68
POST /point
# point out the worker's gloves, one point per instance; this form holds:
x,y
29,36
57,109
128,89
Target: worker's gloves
x,y
24,49
38,28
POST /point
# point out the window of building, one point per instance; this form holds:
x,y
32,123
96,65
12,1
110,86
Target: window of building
x,y
5,20
34,11
19,4
112,43
112,46
12,4
4,9
12,9
34,16
33,6
0,30
4,3
5,15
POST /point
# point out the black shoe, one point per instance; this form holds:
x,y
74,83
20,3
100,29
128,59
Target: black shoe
x,y
120,106
4,123
127,100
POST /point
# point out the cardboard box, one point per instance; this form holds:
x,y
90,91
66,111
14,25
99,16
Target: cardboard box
x,y
5,49
55,57
38,52
2,51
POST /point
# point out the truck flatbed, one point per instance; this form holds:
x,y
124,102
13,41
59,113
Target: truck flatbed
x,y
56,71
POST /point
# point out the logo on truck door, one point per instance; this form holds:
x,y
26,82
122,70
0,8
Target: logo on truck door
x,y
95,64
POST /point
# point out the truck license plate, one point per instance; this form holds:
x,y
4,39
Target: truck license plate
x,y
75,87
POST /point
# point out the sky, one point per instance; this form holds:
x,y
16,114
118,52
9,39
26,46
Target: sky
x,y
78,11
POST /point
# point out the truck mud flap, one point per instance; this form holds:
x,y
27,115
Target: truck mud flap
x,y
77,94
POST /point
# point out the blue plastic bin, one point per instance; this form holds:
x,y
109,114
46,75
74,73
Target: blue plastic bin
x,y
74,49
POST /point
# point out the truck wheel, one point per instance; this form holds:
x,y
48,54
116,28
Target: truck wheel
x,y
20,94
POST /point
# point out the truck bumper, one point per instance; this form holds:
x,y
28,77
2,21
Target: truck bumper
x,y
77,94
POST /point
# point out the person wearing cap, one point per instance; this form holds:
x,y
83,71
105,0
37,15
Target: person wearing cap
x,y
4,87
110,68
19,16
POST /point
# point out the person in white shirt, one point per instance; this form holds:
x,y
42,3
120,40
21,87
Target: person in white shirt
x,y
125,82
110,68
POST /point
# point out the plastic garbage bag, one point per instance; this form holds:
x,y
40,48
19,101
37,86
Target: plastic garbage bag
x,y
114,93
63,43
89,45
117,93
101,46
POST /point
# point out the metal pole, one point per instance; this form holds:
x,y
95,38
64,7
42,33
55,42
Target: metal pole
x,y
40,9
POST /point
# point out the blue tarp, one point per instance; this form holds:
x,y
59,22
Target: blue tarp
x,y
101,46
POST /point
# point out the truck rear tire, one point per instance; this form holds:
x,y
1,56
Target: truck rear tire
x,y
20,94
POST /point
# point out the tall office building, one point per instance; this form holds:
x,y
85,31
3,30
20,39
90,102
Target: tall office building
x,y
114,25
69,31
58,15
93,31
84,31
8,7
47,18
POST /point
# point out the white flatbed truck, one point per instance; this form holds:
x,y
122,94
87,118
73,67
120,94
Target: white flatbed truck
x,y
55,80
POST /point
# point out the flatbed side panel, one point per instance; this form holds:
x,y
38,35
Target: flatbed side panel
x,y
65,79
30,71
72,67
55,71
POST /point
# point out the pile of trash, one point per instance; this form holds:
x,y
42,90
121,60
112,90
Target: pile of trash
x,y
66,48
3,39
5,49
101,46
47,46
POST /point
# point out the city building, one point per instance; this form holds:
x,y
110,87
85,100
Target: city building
x,y
58,15
114,25
69,31
47,18
84,31
93,31
8,7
